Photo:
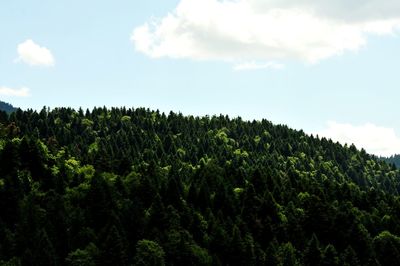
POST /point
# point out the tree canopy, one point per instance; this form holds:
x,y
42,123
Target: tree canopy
x,y
139,187
6,107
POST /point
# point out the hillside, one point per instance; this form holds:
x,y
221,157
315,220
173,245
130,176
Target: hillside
x,y
395,159
138,187
6,107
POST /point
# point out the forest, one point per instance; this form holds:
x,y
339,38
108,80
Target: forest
x,y
125,186
8,108
394,159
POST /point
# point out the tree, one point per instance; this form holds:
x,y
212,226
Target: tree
x,y
149,253
330,256
287,255
44,253
86,257
387,248
113,251
349,257
12,262
312,253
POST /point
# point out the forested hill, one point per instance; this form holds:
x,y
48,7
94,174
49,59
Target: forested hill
x,y
6,107
395,159
138,187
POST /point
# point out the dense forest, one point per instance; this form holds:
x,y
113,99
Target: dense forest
x,y
395,159
6,107
138,187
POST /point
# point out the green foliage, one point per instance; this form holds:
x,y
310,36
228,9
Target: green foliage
x,y
126,119
287,255
149,253
330,256
395,159
387,248
86,257
133,186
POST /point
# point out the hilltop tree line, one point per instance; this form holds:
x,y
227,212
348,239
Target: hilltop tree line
x,y
138,187
394,159
6,107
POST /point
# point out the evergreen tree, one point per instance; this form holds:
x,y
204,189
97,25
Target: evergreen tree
x,y
149,253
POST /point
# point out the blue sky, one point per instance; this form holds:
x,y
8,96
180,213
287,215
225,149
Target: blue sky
x,y
339,79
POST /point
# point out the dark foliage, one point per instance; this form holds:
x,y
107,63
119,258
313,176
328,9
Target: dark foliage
x,y
138,187
395,159
6,107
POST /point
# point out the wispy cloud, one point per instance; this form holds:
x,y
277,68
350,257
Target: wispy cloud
x,y
374,139
257,66
21,92
265,30
35,55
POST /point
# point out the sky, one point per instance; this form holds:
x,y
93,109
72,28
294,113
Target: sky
x,y
326,67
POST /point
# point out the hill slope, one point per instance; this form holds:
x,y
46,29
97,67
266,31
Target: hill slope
x,y
6,107
395,159
137,187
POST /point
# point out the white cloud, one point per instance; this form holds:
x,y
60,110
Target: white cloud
x,y
374,139
34,55
265,30
257,66
22,92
